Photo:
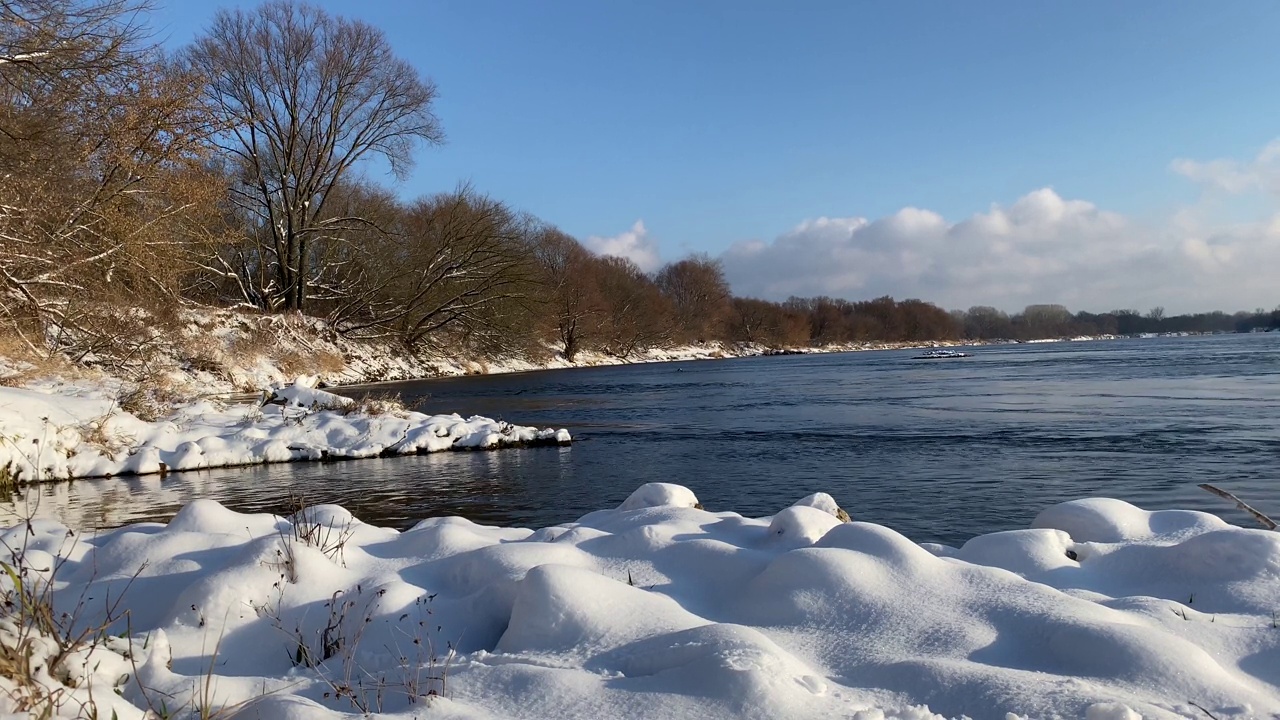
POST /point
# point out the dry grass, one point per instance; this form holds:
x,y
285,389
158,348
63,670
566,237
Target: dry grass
x,y
152,396
29,695
375,404
536,353
97,433
327,361
477,367
8,480
307,528
12,346
253,341
288,348
198,354
39,639
19,364
293,363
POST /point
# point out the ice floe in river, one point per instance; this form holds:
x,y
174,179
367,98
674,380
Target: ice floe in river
x,y
660,608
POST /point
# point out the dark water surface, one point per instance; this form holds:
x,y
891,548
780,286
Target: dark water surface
x,y
939,450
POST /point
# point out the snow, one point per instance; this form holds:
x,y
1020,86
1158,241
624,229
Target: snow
x,y
825,503
657,494
60,430
659,608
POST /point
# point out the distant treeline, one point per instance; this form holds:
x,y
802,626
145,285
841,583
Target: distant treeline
x,y
821,321
1046,321
234,173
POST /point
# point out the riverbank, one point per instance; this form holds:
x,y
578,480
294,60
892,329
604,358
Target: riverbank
x,y
218,352
658,607
175,407
63,430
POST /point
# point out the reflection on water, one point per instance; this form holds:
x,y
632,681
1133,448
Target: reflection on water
x,y
395,492
940,450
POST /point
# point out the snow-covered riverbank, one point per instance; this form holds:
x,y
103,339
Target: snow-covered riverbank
x,y
54,431
59,420
217,352
662,609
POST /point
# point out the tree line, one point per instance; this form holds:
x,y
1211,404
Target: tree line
x,y
238,171
1052,321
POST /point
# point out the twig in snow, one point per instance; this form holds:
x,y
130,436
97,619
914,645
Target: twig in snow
x,y
1197,705
1266,522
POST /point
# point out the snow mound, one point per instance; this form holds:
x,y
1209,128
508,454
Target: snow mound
x,y
1025,552
303,394
652,495
825,503
800,525
1110,711
661,609
1108,520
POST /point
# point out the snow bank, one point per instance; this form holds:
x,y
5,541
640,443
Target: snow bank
x,y
61,431
662,609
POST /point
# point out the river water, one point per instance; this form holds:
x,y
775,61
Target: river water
x,y
940,450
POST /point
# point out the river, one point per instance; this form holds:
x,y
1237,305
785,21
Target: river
x,y
940,450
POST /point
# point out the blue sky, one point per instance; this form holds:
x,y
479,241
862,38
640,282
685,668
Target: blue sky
x,y
718,123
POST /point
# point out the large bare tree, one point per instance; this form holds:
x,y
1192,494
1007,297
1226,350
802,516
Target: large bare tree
x,y
570,286
307,97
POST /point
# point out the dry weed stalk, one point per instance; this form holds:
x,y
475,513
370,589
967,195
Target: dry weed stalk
x,y
97,433
306,527
152,396
332,650
41,639
375,404
1262,519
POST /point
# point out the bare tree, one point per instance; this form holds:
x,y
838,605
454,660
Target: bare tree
x,y
450,261
307,96
101,150
634,314
700,294
768,323
569,277
832,320
983,322
1043,321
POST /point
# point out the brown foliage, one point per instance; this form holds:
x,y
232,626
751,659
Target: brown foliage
x,y
700,295
570,287
102,146
455,265
767,323
635,315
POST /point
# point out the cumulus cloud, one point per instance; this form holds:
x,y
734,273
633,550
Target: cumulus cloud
x,y
1261,174
1041,249
634,244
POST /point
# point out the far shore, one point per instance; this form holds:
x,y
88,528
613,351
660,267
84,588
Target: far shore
x,y
690,353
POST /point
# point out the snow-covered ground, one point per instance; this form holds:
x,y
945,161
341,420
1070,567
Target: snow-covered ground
x,y
662,609
55,430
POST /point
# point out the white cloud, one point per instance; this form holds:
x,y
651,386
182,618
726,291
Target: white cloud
x,y
1042,248
1261,174
634,244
